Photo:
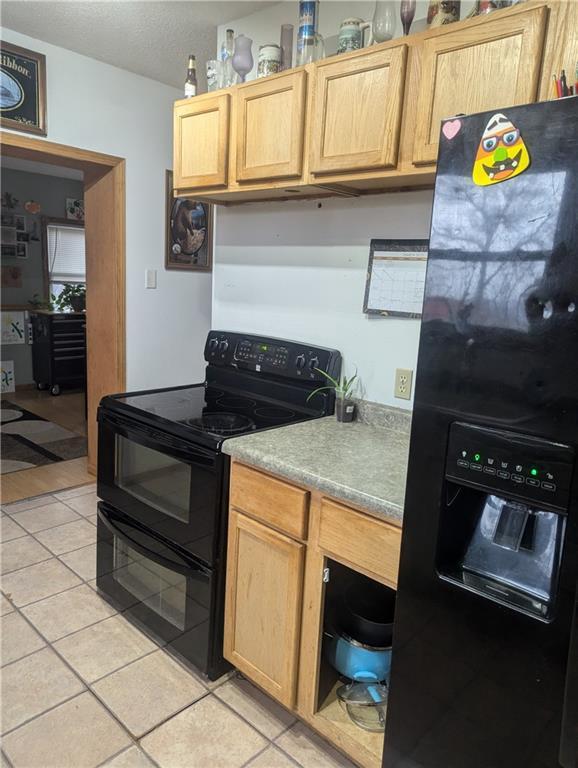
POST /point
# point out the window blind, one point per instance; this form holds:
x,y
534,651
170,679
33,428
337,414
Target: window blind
x,y
66,258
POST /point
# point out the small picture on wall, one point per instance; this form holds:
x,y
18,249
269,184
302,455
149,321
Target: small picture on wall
x,y
20,222
8,251
7,376
22,237
11,276
8,235
74,209
21,250
189,232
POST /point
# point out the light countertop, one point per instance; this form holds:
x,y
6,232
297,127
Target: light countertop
x,y
358,463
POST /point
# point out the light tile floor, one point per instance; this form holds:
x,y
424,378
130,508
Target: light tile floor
x,y
82,687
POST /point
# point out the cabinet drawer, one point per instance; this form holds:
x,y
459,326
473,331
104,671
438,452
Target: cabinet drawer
x,y
371,544
279,504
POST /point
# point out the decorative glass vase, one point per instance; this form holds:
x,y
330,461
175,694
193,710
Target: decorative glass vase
x,y
383,23
286,46
242,57
407,12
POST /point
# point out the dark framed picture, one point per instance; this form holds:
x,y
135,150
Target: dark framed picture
x,y
23,89
189,232
396,278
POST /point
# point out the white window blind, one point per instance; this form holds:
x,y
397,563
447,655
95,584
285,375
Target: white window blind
x,y
66,259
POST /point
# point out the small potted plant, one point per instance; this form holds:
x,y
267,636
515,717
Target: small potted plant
x,y
72,297
343,388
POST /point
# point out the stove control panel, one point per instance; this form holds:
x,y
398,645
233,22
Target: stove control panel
x,y
523,466
290,359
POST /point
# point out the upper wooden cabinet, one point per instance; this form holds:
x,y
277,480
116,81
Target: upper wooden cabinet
x,y
491,64
270,126
357,111
201,142
369,120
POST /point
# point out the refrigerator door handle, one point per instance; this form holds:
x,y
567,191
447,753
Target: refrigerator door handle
x,y
569,740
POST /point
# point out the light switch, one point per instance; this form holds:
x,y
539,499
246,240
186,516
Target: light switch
x,y
150,278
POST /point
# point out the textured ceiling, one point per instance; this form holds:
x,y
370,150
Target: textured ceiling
x,y
151,37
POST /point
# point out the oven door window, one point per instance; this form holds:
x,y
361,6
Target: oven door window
x,y
157,479
160,589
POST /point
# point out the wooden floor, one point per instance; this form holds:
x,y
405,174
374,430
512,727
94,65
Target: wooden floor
x,y
67,410
47,479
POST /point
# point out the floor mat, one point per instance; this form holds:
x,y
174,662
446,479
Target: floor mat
x,y
30,441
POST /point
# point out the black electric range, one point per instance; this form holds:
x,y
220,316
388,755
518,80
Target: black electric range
x,y
163,482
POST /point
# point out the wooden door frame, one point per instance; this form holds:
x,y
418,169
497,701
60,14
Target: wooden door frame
x,y
104,197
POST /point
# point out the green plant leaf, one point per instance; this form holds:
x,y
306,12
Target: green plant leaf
x,y
316,391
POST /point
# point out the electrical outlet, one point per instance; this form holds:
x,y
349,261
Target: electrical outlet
x,y
403,382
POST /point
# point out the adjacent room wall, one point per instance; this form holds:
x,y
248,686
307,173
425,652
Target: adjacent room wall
x,y
99,107
51,192
297,270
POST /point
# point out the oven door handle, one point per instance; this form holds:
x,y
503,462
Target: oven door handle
x,y
155,439
184,568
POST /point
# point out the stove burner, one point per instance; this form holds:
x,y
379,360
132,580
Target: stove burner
x,y
275,414
236,402
222,423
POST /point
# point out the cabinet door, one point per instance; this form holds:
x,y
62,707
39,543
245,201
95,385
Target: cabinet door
x,y
270,123
201,142
357,111
263,605
493,64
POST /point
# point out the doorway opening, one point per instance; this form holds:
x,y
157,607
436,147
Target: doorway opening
x,y
77,353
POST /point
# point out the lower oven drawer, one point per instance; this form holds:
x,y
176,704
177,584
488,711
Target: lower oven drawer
x,y
168,595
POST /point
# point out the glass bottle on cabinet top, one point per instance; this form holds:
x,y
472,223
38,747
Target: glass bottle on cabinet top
x,y
191,81
228,74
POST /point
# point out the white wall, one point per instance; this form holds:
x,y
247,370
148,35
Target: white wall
x,y
297,270
98,107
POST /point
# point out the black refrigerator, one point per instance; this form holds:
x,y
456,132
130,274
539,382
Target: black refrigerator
x,y
485,648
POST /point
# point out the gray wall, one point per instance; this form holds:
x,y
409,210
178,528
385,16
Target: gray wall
x,y
51,192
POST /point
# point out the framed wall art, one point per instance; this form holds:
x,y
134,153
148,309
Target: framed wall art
x,y
23,89
396,278
74,209
189,232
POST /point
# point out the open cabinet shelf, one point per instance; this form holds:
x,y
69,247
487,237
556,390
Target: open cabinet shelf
x,y
332,712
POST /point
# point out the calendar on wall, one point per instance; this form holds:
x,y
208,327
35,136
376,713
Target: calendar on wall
x,y
396,278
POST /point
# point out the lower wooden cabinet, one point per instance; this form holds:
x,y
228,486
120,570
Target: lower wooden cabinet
x,y
263,605
286,549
